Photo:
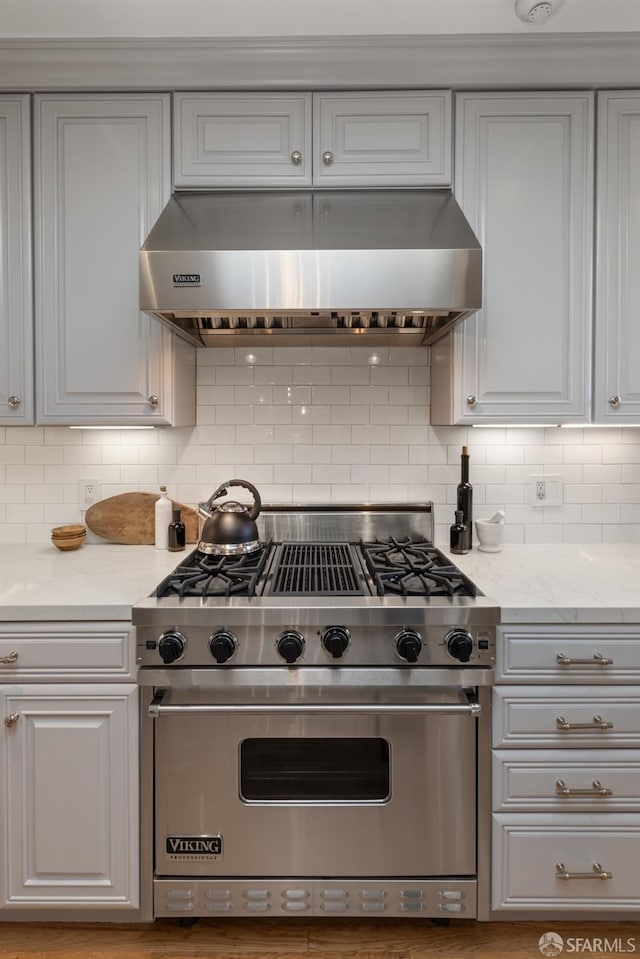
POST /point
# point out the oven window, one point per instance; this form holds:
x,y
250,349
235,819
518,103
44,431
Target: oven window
x,y
314,770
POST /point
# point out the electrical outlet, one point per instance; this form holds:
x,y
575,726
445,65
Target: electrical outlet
x,y
90,492
546,490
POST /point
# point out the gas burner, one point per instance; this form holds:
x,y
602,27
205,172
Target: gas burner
x,y
204,575
413,568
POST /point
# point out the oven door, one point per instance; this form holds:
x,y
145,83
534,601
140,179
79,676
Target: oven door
x,y
315,783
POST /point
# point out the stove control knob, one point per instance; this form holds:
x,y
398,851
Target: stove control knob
x,y
335,640
171,646
290,645
222,645
408,645
459,643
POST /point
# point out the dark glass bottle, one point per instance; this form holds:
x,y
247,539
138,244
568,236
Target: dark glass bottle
x,y
458,536
465,495
176,533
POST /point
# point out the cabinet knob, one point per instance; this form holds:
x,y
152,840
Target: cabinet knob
x,y
9,658
296,158
11,719
153,400
14,402
327,158
471,400
615,401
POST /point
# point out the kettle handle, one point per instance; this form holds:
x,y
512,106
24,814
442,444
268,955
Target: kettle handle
x,y
257,502
205,511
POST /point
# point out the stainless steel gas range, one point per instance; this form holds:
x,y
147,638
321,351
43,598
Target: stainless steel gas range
x,y
315,724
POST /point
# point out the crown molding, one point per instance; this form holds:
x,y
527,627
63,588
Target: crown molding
x,y
313,63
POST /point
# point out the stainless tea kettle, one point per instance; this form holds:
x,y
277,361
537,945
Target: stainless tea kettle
x,y
230,529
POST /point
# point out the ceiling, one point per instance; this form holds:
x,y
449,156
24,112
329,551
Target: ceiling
x,y
303,18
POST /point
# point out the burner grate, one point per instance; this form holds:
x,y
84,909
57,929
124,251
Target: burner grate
x,y
314,569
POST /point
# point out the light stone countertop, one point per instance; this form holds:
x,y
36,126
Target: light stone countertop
x,y
533,584
95,582
559,583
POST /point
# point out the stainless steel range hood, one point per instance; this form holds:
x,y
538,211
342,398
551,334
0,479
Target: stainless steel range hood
x,y
393,267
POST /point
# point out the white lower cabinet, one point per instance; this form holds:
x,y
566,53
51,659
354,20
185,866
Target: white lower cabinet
x,y
566,772
542,862
69,793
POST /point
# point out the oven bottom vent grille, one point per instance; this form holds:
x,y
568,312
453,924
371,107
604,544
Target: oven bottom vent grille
x,y
316,568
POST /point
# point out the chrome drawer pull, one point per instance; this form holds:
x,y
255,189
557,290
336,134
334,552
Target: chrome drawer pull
x,y
598,873
596,660
597,789
597,723
9,658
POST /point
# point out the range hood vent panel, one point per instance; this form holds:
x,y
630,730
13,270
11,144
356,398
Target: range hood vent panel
x,y
385,265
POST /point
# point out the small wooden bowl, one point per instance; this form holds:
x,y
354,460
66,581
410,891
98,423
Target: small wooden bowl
x,y
69,537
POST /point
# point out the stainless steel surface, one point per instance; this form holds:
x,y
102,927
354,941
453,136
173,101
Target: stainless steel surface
x,y
383,266
598,873
202,789
260,777
389,898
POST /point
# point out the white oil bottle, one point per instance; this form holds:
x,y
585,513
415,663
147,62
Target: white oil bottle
x,y
163,516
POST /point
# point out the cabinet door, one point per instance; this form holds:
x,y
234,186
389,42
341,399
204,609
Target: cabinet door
x,y
102,177
382,139
524,178
617,393
242,140
69,812
16,310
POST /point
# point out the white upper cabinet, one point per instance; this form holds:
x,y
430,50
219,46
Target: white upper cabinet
x,y
242,140
617,387
524,178
102,177
16,309
378,139
282,140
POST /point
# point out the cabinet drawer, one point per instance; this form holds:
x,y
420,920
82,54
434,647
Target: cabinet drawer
x,y
569,654
65,650
242,140
531,780
535,717
529,853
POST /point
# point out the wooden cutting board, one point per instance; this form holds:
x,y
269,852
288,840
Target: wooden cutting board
x,y
128,519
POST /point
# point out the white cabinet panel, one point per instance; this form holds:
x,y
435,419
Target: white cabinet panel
x,y
69,815
569,654
65,651
533,716
524,178
380,139
102,176
529,853
562,780
16,307
242,140
617,393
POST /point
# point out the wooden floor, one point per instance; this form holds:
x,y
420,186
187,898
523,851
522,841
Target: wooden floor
x,y
293,939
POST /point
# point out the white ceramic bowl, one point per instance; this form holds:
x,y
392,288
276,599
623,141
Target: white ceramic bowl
x,y
489,535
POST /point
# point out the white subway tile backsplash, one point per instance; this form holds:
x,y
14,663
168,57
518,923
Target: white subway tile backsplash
x,y
342,425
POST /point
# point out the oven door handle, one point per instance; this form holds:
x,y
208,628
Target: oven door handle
x,y
469,708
